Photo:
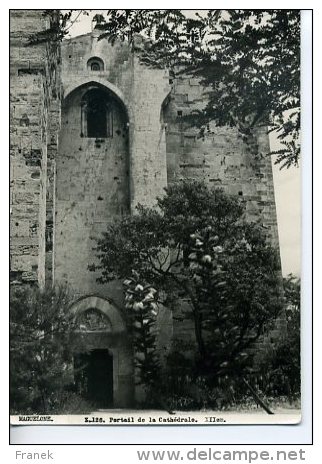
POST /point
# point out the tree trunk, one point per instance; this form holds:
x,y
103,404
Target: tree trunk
x,y
257,398
198,333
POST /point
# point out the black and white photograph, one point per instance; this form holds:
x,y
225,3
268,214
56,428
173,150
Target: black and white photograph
x,y
155,217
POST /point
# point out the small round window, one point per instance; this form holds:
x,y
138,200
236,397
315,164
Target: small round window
x,y
95,64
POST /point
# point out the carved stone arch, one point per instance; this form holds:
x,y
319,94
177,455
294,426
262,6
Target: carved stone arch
x,y
106,307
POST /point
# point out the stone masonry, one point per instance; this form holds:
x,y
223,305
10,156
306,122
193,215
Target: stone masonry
x,y
33,107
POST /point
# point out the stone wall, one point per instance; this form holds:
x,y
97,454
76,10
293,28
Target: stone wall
x,y
222,158
33,87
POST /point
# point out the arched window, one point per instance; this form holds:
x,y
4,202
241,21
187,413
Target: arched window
x,y
97,114
95,64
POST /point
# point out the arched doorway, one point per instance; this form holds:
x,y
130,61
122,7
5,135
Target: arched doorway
x,y
103,358
93,372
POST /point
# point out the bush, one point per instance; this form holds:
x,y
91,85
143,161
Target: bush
x,y
69,402
181,388
40,349
280,370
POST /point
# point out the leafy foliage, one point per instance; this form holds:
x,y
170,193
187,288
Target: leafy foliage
x,y
280,369
288,357
70,402
141,303
249,60
60,21
197,245
40,345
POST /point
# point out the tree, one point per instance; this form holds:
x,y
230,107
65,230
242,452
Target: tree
x,y
287,358
291,364
280,368
60,21
40,348
142,302
196,244
249,60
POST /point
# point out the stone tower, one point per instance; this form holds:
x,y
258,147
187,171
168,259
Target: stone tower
x,y
94,133
34,128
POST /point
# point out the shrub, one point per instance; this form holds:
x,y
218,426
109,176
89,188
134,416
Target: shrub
x,y
40,348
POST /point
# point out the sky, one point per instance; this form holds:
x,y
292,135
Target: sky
x,y
287,183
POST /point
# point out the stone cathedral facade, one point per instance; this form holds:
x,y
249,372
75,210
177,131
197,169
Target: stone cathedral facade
x,y
94,133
